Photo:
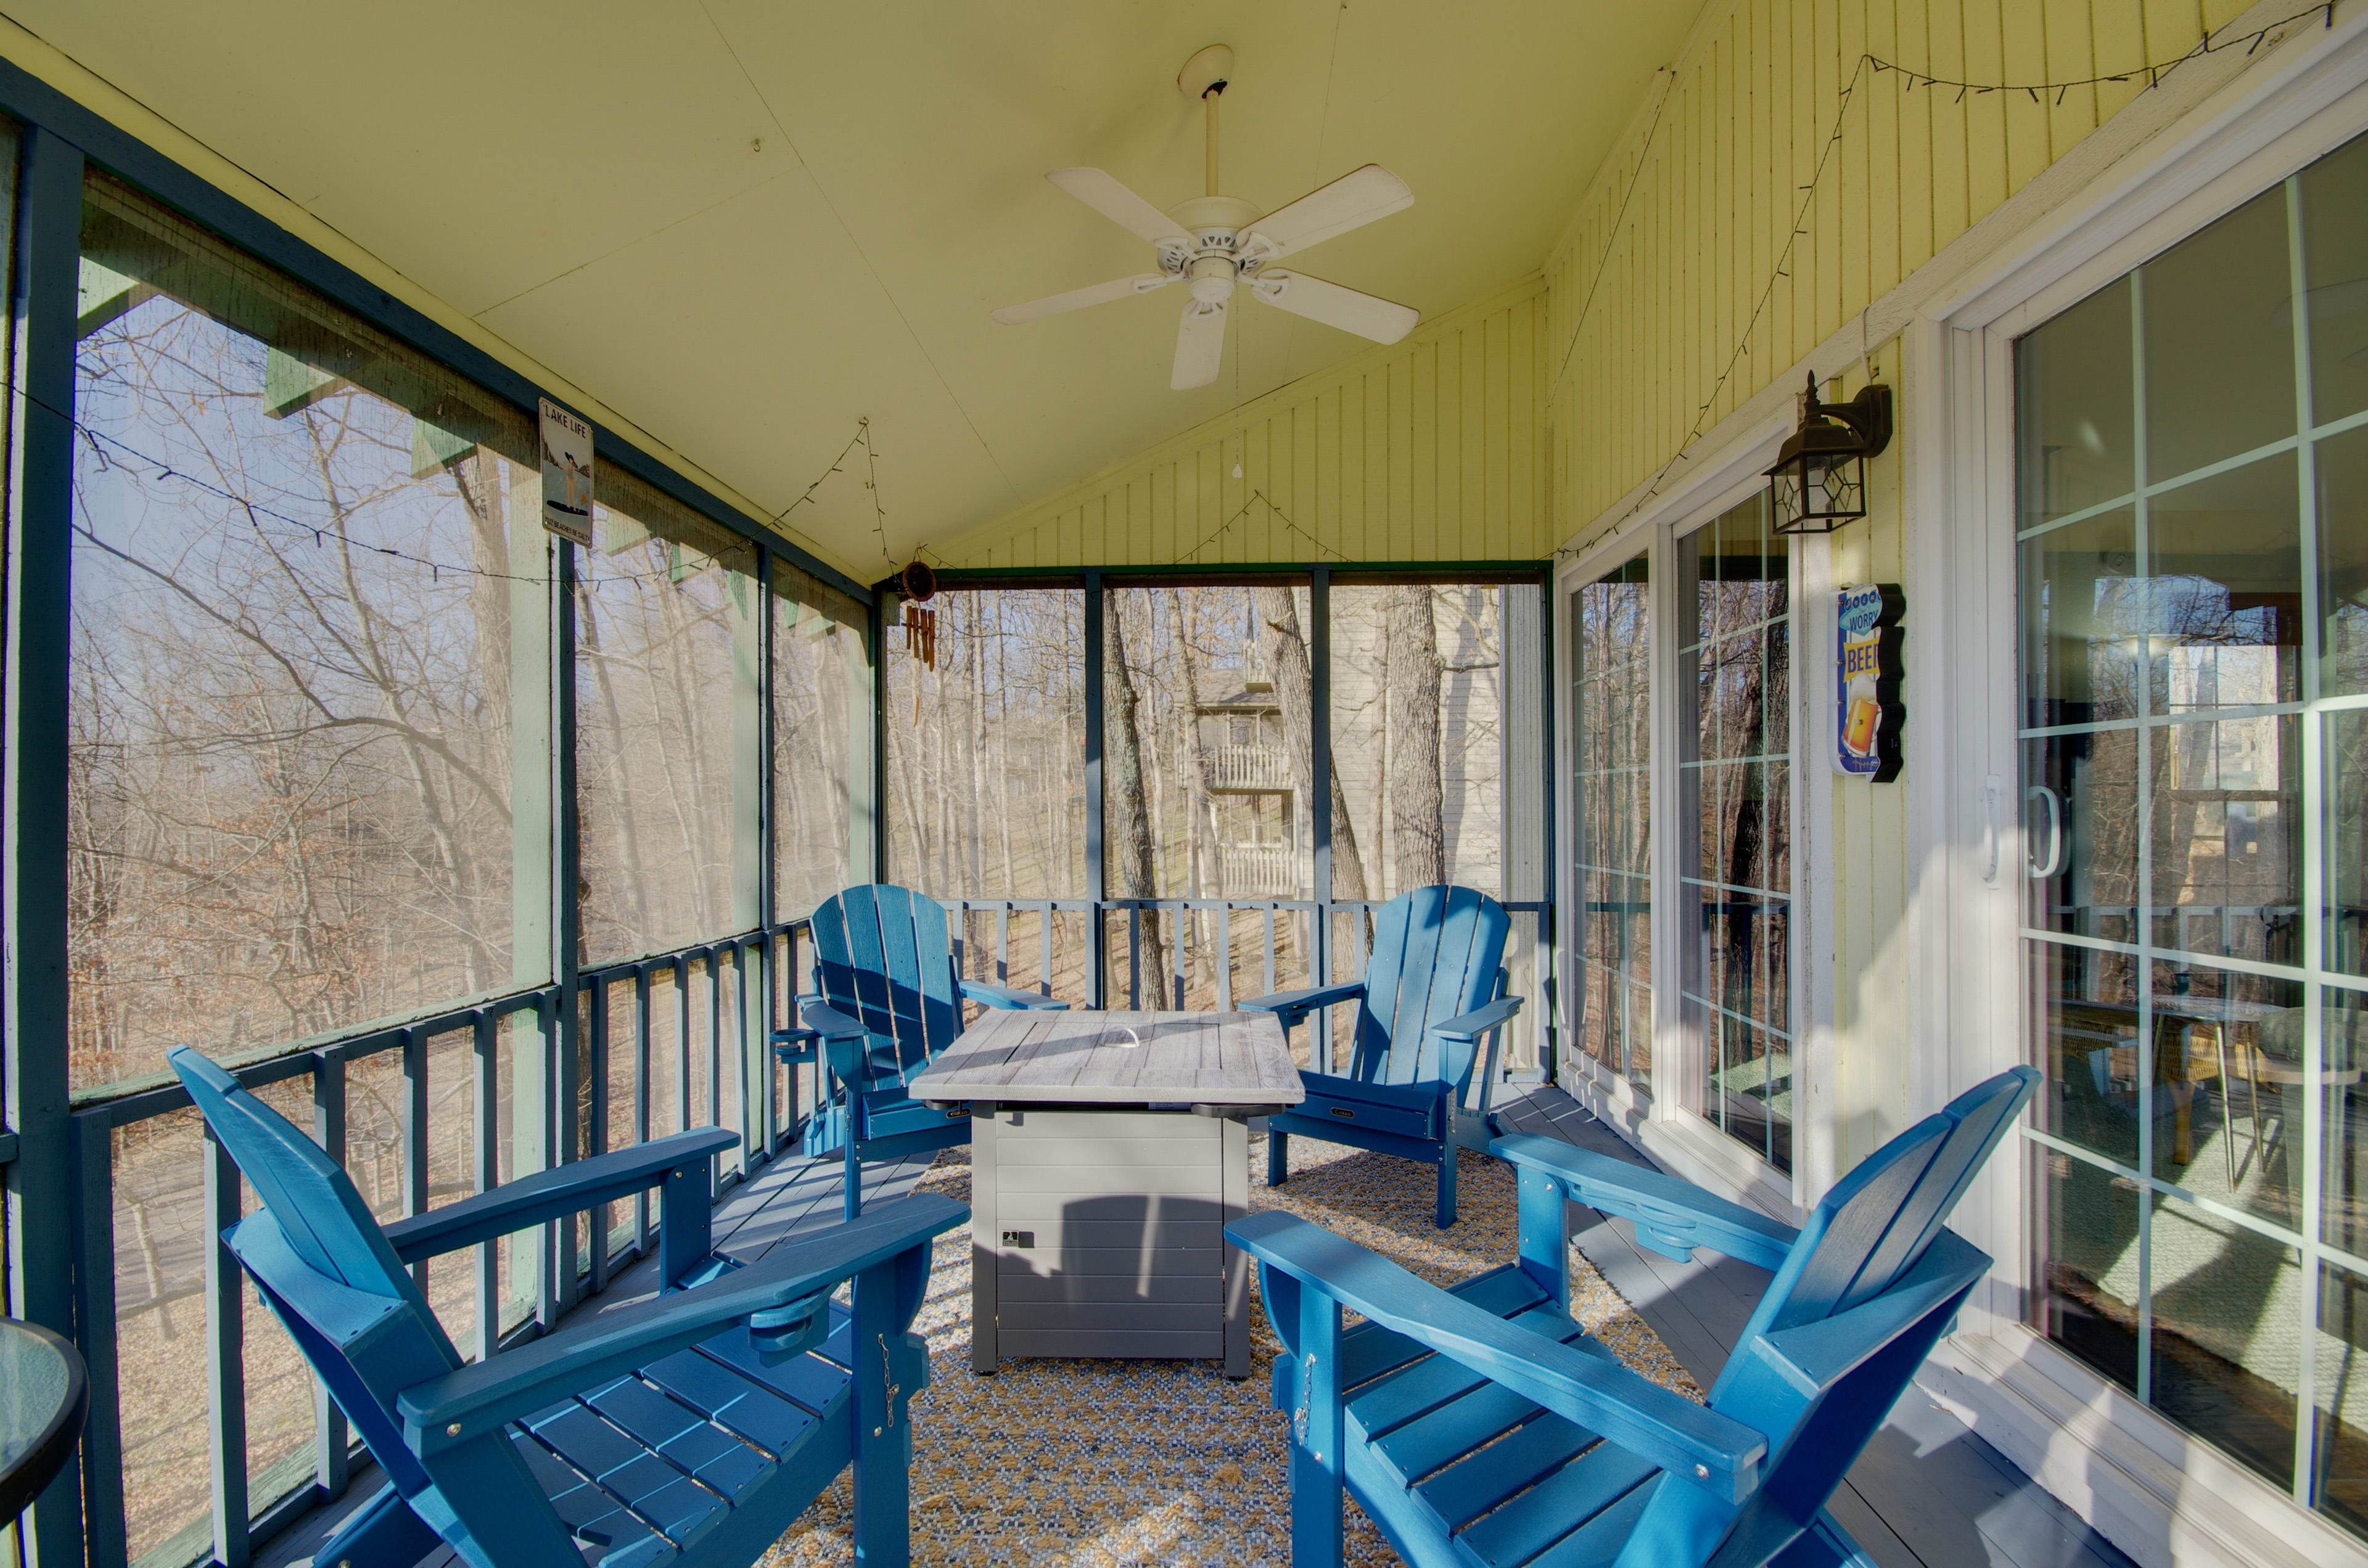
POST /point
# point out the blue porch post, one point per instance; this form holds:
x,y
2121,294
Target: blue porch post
x,y
1096,882
33,1092
1319,807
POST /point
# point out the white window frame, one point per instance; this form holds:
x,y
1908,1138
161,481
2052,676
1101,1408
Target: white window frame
x,y
2141,1479
1679,1138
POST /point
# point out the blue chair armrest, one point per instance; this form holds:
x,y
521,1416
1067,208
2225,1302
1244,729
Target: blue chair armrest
x,y
842,1037
828,1021
1290,1007
1695,1444
447,1411
554,1194
1672,1217
1479,1021
1004,997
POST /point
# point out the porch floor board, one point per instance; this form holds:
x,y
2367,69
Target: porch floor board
x,y
1927,1493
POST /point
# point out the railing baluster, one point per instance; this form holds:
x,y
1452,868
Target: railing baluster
x,y
91,1138
1044,976
329,1442
714,1056
1135,957
603,1217
681,1043
1224,958
642,1096
1270,951
487,1176
225,1358
1003,944
414,1134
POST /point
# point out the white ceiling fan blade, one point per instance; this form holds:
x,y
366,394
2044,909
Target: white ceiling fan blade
x,y
1355,199
1078,299
1200,344
1363,315
1119,205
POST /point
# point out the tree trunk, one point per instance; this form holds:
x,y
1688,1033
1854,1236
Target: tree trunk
x,y
1286,657
1129,828
1417,816
1199,839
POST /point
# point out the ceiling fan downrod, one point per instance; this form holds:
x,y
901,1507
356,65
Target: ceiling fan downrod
x,y
1210,96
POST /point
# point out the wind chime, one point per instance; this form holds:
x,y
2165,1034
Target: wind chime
x,y
919,584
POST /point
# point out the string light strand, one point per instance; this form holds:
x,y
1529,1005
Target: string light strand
x,y
255,513
2209,44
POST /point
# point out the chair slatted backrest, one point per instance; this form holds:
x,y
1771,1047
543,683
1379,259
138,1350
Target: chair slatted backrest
x,y
1869,1236
882,958
1437,954
315,1231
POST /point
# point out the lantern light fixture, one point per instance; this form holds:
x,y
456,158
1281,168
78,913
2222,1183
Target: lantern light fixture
x,y
1819,480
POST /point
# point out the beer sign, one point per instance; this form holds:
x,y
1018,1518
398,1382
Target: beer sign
x,y
1868,713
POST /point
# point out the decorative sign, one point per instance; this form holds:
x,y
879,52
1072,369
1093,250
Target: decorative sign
x,y
566,473
1868,713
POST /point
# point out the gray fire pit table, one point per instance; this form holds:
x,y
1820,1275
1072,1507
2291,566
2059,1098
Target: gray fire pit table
x,y
1108,1150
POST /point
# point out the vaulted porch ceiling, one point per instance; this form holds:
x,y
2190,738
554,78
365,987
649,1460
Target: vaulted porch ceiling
x,y
744,225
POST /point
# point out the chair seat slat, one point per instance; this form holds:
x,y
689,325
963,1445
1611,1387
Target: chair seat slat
x,y
720,1462
749,1409
662,1495
1564,1503
590,1513
813,1384
1470,1421
1412,1392
1598,1542
1485,1479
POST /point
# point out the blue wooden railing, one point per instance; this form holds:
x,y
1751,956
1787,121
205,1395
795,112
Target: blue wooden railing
x,y
621,1046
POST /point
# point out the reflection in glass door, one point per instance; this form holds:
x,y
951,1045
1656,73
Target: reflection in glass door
x,y
1735,867
1612,817
2194,556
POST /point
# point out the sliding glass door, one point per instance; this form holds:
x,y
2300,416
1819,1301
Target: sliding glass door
x,y
2194,556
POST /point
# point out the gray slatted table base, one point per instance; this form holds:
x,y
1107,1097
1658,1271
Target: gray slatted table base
x,y
1097,1220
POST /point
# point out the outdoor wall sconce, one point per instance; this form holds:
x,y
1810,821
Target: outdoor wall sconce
x,y
1819,480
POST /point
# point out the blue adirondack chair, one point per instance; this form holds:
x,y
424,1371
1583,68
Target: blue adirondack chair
x,y
1481,1425
891,1003
695,1426
1433,988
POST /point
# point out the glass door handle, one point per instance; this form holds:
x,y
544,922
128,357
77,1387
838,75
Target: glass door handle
x,y
1992,789
2054,863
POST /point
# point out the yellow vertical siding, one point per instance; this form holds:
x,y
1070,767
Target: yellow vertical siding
x,y
1428,449
1679,243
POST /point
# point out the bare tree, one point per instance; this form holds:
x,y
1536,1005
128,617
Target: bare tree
x,y
1286,656
1416,801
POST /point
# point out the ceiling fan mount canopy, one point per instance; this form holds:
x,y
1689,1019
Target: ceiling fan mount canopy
x,y
1214,242
1208,71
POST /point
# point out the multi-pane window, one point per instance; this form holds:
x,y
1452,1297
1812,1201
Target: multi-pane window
x,y
1611,814
1734,864
2193,527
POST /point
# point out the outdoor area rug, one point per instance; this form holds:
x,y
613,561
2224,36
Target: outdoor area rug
x,y
1099,1463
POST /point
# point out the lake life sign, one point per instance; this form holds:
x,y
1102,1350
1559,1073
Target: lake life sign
x,y
1868,714
566,473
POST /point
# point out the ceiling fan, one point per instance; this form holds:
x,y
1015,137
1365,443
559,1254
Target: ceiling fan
x,y
1215,244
